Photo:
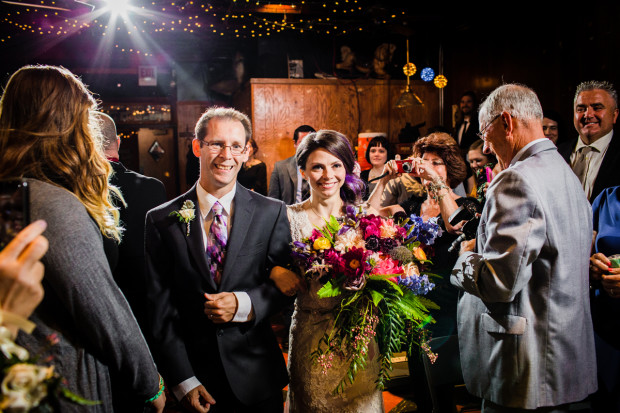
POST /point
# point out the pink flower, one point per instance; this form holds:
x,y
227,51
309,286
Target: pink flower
x,y
315,234
388,229
388,266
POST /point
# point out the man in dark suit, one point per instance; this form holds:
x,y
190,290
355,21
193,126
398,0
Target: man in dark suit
x,y
141,193
286,183
595,155
209,255
467,127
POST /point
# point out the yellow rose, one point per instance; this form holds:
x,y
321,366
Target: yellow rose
x,y
321,243
419,254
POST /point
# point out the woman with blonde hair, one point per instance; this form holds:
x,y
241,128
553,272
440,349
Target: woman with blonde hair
x,y
49,138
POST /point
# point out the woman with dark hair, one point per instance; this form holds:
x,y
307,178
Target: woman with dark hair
x,y
253,174
49,137
377,154
326,161
438,161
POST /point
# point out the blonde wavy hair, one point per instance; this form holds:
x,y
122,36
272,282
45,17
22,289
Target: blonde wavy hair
x,y
47,133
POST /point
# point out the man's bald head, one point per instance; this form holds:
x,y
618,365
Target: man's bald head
x,y
108,131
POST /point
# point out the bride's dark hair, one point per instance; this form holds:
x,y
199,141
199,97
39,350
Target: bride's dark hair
x,y
338,145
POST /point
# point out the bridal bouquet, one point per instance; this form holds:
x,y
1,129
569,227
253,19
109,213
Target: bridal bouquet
x,y
27,386
376,266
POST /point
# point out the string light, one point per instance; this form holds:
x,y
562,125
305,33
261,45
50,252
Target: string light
x,y
427,74
440,81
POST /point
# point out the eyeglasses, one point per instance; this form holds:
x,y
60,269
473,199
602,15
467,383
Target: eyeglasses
x,y
483,132
217,147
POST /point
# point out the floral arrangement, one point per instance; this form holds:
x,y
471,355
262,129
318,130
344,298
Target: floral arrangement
x,y
374,264
27,386
186,214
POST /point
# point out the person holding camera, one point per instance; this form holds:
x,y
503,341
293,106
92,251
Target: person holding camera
x,y
437,160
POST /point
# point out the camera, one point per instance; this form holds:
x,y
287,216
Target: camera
x,y
405,166
469,212
14,209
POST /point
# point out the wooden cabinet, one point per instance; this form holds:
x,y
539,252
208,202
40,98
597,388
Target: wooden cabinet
x,y
278,106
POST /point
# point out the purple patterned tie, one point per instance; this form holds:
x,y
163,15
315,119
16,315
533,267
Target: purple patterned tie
x,y
217,242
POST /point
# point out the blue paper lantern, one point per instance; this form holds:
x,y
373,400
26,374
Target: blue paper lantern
x,y
427,74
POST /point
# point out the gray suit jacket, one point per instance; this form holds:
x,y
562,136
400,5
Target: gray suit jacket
x,y
524,321
283,181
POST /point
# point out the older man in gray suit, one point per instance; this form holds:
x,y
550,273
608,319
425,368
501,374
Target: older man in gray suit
x,y
524,322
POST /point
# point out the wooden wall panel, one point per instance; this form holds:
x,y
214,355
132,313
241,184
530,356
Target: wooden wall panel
x,y
279,106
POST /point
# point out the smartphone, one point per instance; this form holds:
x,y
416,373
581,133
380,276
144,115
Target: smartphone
x,y
14,209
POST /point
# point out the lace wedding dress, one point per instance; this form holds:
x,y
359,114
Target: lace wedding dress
x,y
310,390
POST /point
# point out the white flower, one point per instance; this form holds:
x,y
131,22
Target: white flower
x,y
349,239
187,214
24,387
8,346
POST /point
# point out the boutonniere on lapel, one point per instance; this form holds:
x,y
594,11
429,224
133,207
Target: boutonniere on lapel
x,y
186,214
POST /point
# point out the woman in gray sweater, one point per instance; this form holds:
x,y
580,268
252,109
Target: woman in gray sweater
x,y
48,137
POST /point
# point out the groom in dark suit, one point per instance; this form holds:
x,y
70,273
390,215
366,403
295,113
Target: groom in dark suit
x,y
208,288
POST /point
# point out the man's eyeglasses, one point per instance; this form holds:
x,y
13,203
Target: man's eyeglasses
x,y
217,147
483,132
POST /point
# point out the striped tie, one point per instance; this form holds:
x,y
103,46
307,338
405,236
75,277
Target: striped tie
x,y
217,242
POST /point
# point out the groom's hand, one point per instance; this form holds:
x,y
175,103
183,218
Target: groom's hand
x,y
221,308
198,400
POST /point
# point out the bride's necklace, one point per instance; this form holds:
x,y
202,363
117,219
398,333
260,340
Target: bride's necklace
x,y
320,216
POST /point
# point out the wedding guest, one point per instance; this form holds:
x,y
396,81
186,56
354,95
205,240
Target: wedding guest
x,y
478,162
286,183
378,153
253,174
21,272
553,126
49,137
524,323
438,162
605,299
595,154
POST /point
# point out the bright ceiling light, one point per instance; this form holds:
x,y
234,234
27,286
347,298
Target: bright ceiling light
x,y
118,7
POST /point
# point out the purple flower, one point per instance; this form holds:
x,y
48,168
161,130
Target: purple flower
x,y
354,283
373,243
387,244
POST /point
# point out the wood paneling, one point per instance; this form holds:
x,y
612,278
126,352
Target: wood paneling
x,y
279,106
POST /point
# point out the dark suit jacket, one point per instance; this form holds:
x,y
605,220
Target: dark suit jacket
x,y
470,136
283,181
141,193
185,342
608,175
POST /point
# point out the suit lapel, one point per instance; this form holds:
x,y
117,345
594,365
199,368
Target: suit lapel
x,y
195,243
242,220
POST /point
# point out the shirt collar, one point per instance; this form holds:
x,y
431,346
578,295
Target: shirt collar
x,y
600,144
519,154
206,200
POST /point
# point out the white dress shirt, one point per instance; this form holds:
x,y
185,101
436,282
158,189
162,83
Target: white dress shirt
x,y
594,159
244,303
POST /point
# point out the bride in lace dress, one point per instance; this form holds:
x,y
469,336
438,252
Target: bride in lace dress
x,y
326,161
